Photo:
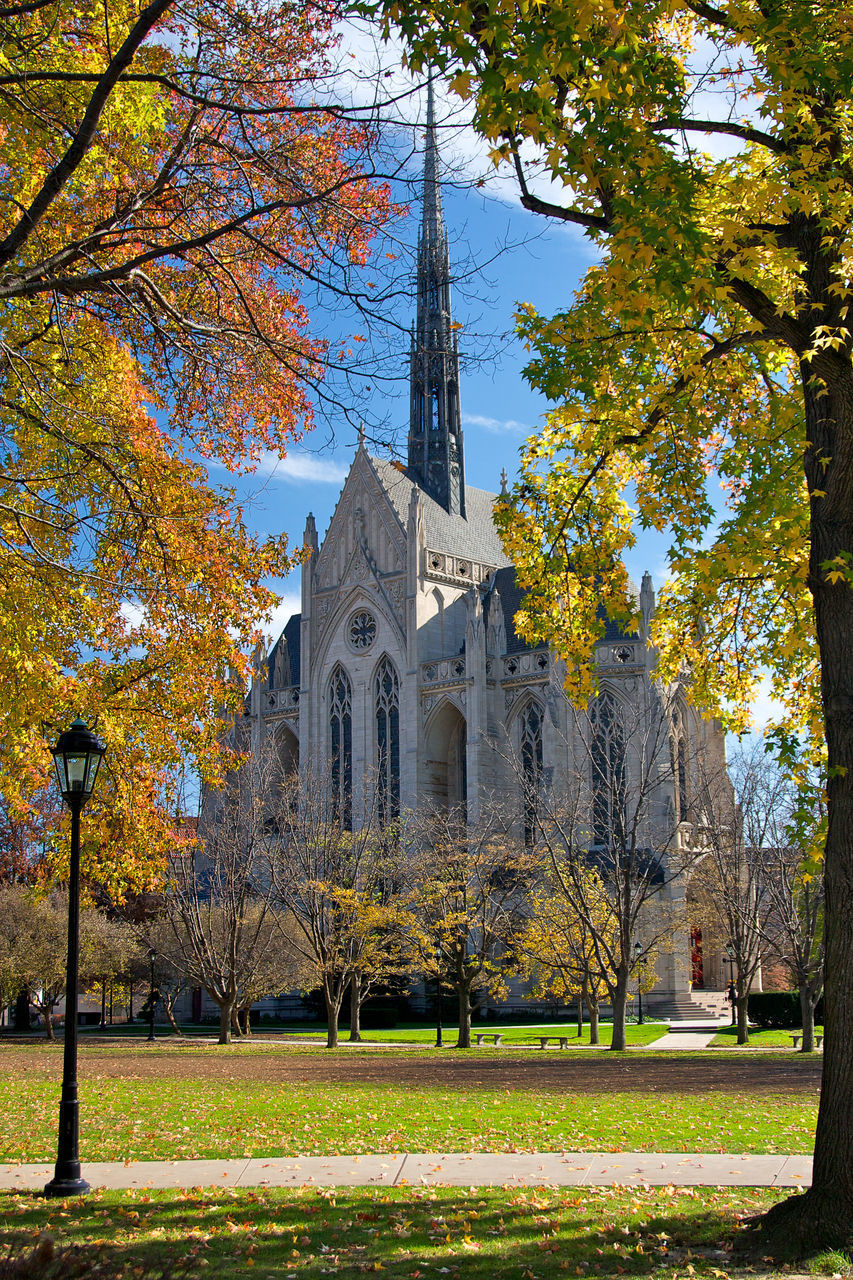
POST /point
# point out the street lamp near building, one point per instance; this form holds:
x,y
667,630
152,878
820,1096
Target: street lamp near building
x,y
638,951
729,959
77,757
152,996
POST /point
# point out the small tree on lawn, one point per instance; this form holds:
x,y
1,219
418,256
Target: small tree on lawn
x,y
784,807
467,888
557,949
220,907
108,947
734,882
382,947
44,961
337,887
608,843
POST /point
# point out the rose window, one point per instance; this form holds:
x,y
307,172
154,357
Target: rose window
x,y
362,630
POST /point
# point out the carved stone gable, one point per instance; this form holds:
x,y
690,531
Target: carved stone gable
x,y
363,518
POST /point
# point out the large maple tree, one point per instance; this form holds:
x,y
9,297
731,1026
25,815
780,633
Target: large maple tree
x,y
170,187
703,374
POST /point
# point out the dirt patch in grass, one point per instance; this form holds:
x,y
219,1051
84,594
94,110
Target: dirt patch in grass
x,y
599,1072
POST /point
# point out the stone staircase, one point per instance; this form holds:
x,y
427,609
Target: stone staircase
x,y
710,1005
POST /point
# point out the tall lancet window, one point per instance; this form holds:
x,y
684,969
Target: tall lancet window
x,y
678,759
340,743
387,696
531,765
607,759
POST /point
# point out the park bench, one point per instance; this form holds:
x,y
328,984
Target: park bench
x,y
495,1036
818,1039
563,1041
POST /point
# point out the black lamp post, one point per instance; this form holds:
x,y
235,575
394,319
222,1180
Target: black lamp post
x,y
729,958
438,1040
638,951
77,756
152,956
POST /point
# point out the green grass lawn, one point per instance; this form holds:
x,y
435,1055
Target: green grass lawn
x,y
411,1033
514,1033
758,1039
405,1233
171,1118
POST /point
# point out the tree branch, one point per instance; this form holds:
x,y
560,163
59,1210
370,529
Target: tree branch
x,y
60,174
723,126
535,205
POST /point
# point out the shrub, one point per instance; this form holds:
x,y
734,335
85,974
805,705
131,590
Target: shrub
x,y
778,1010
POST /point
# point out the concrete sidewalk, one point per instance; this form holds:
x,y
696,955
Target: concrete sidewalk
x,y
684,1037
482,1169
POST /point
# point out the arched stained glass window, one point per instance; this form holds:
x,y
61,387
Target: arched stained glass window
x,y
387,700
340,743
678,758
607,758
531,765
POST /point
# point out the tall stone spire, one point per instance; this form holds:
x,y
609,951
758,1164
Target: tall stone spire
x,y
436,461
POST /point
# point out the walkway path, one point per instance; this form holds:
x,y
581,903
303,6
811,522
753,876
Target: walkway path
x,y
686,1035
560,1169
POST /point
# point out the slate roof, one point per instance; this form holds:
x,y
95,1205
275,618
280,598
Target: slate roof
x,y
511,597
293,637
473,535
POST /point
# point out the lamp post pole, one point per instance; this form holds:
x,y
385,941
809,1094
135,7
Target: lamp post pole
x,y
730,961
152,956
77,756
438,1040
638,951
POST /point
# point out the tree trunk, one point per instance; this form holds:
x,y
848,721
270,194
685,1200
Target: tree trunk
x,y
592,1010
48,1025
742,1019
807,1011
226,1013
619,998
355,1007
464,1041
170,1014
333,1008
235,1021
822,1217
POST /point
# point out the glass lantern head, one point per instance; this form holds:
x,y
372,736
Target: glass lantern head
x,y
77,757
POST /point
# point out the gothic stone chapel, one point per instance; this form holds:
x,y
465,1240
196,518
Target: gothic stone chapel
x,y
405,666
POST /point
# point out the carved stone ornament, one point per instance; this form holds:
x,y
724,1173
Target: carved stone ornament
x,y
361,631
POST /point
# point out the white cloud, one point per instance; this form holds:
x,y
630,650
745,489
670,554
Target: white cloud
x,y
494,424
301,468
132,614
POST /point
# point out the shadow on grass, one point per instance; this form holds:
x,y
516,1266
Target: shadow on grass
x,y
532,1234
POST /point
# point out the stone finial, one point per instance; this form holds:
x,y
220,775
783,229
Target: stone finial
x,y
647,599
310,539
503,481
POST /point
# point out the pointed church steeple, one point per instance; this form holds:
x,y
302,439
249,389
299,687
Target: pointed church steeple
x,y
436,460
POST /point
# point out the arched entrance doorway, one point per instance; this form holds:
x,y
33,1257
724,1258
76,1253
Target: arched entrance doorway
x,y
446,758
